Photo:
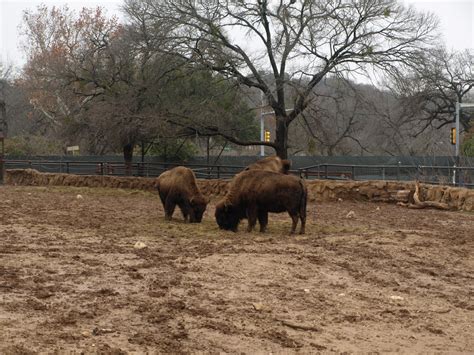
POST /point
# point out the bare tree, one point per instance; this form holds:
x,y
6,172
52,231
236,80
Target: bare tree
x,y
5,72
336,116
429,91
300,40
346,118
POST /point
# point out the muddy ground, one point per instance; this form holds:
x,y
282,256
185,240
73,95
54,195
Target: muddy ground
x,y
389,279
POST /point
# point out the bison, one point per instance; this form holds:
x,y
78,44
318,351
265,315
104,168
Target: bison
x,y
178,187
254,193
273,163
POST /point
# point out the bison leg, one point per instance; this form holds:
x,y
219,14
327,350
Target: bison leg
x,y
185,208
185,216
252,217
163,199
303,223
294,218
170,205
263,220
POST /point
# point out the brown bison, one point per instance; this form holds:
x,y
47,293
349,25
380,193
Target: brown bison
x,y
254,193
178,187
273,163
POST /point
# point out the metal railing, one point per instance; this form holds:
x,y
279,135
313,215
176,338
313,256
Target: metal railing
x,y
202,171
446,175
443,175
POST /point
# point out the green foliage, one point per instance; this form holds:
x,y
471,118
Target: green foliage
x,y
29,145
177,149
467,147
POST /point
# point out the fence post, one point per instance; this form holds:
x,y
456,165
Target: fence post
x,y
383,174
218,172
454,174
326,171
67,167
353,172
398,171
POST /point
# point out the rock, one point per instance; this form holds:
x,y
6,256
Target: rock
x,y
140,245
86,334
99,331
259,307
377,209
339,199
351,214
306,290
396,298
79,197
402,195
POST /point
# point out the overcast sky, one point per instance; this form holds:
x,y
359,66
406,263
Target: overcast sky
x,y
457,21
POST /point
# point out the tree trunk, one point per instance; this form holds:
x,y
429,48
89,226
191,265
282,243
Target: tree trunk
x,y
128,157
281,138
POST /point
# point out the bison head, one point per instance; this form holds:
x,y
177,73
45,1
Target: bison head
x,y
227,217
198,206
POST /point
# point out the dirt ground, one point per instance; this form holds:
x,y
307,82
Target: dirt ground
x,y
389,279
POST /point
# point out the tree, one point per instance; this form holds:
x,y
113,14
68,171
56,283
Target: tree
x,y
67,64
430,90
5,72
204,103
108,85
335,117
91,79
300,40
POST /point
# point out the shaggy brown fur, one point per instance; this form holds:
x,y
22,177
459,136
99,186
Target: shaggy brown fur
x,y
178,187
254,193
273,163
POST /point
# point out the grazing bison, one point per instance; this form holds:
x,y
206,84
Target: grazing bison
x,y
273,163
254,193
178,187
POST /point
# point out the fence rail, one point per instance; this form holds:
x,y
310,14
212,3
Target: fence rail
x,y
446,175
146,169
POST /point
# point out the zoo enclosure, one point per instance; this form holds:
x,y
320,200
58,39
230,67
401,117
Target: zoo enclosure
x,y
446,175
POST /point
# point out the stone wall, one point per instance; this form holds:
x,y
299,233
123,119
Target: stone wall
x,y
318,190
